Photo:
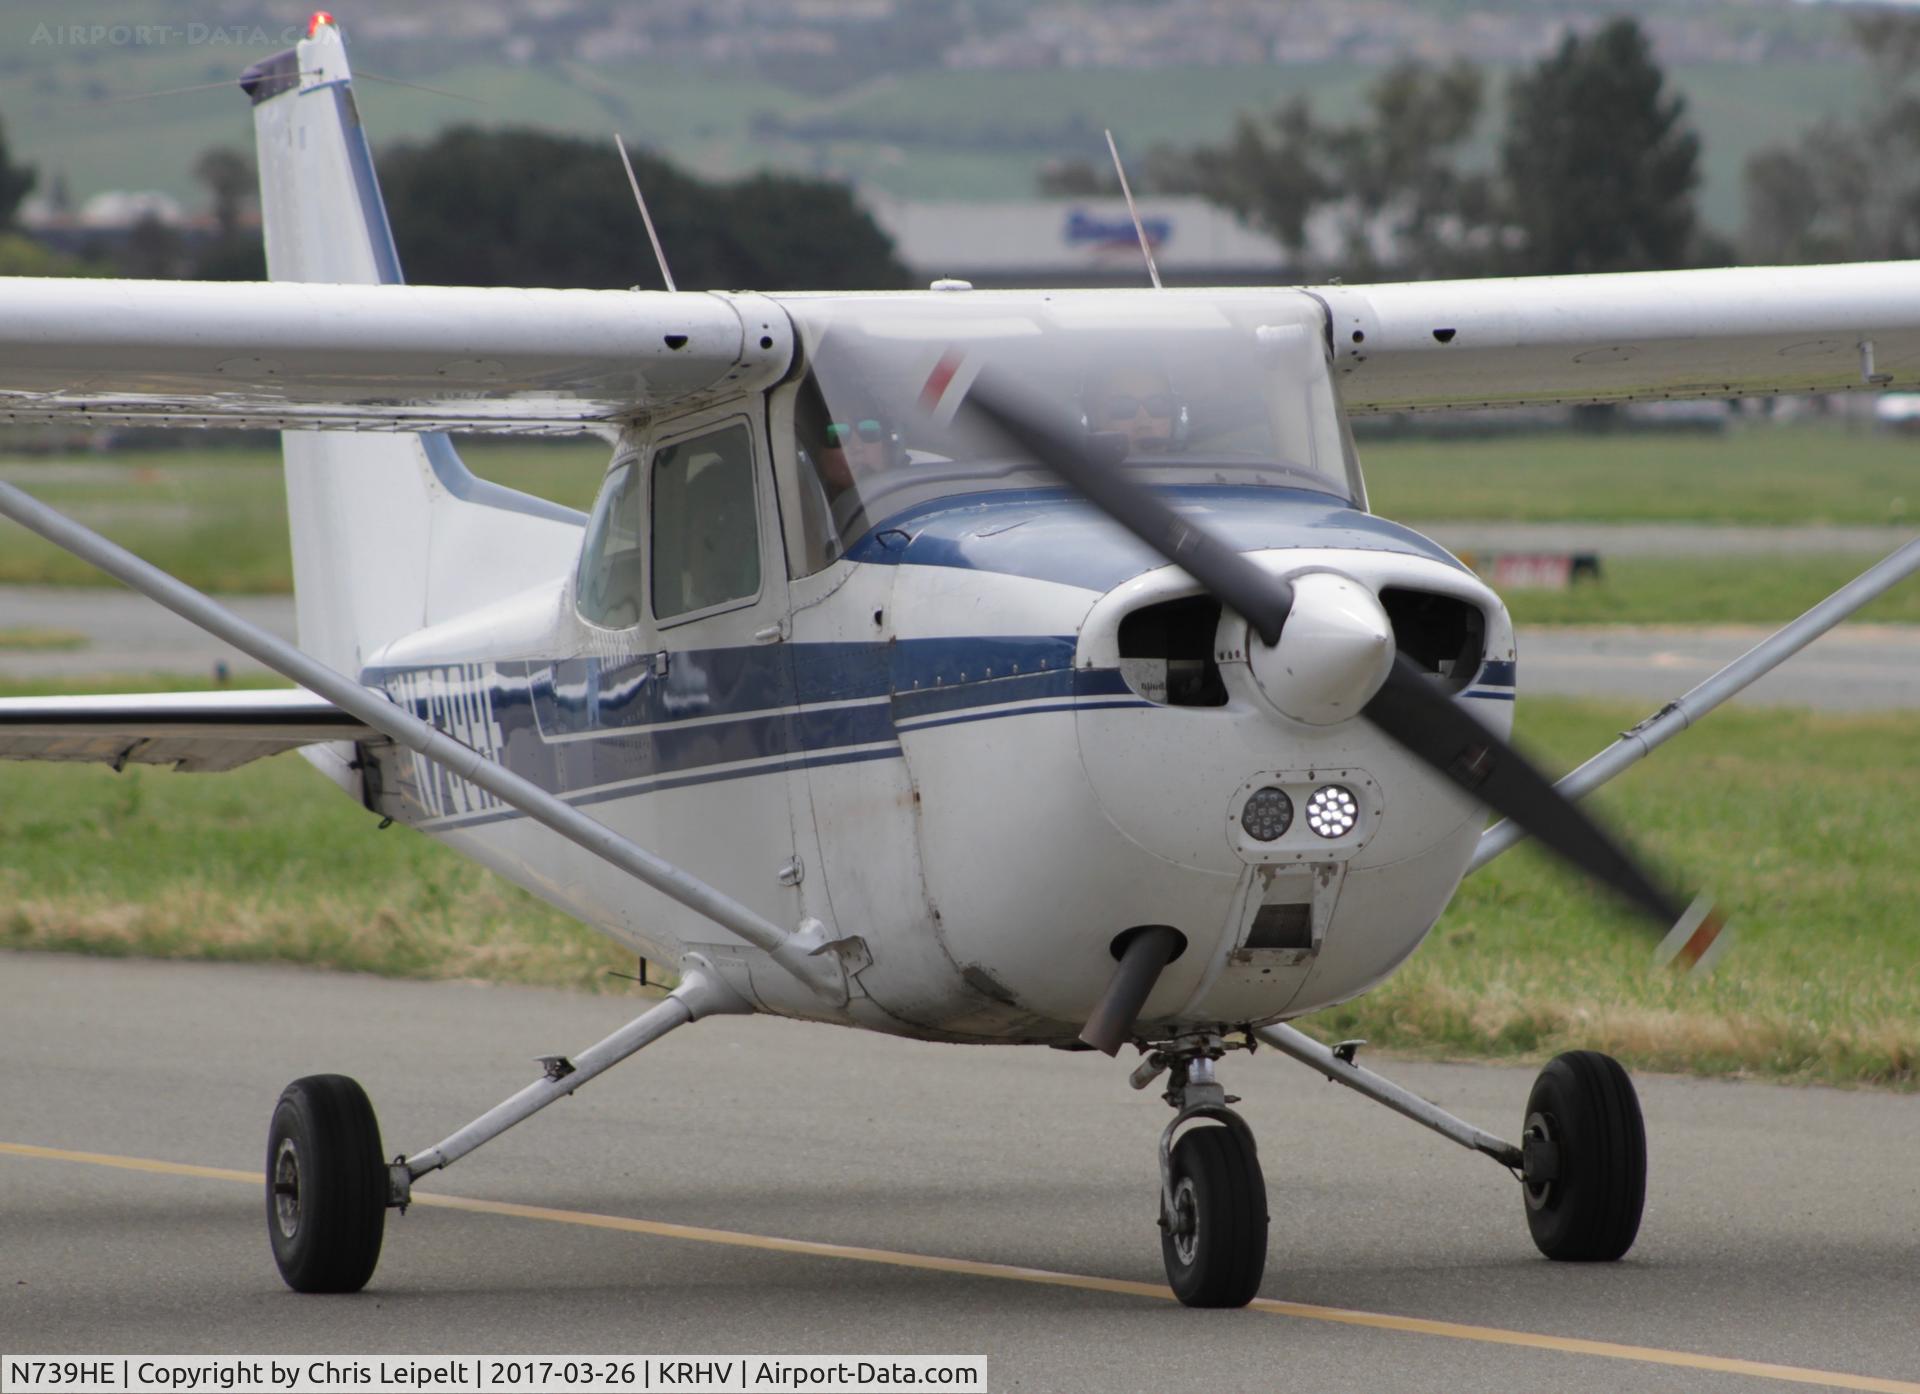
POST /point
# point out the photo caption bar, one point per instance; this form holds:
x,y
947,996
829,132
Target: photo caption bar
x,y
492,1374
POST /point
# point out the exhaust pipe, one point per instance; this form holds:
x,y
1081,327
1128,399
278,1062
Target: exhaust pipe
x,y
1143,954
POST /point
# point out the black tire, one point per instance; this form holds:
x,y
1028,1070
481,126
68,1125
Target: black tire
x,y
1215,1247
1585,1105
326,1185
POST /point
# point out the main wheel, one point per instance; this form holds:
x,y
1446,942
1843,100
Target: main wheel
x,y
1215,1241
326,1185
1584,1106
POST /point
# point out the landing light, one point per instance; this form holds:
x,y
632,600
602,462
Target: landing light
x,y
1267,814
1331,812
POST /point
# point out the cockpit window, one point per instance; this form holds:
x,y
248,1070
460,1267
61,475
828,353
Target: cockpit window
x,y
612,569
1185,388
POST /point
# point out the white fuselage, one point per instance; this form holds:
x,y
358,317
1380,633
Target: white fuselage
x,y
954,761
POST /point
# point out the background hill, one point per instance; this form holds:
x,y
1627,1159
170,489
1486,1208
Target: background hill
x,y
922,98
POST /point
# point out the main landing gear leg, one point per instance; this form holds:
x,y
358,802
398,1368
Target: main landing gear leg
x,y
1582,1162
329,1186
1213,1198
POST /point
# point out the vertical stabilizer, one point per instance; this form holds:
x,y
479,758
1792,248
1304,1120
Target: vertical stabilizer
x,y
390,532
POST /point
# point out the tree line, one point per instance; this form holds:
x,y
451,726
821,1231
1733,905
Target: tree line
x,y
518,207
1596,169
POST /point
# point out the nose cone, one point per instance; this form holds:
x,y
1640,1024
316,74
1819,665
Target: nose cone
x,y
1335,651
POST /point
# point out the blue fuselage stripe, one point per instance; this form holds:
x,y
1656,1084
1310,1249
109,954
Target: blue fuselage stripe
x,y
592,729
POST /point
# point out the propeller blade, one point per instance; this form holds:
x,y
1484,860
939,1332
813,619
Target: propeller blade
x,y
1408,708
1443,735
1411,710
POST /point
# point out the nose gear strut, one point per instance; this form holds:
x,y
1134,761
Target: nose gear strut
x,y
1213,1198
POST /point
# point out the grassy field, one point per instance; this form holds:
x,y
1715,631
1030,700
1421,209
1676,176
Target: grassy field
x,y
217,517
1709,590
1818,473
32,639
268,863
1800,822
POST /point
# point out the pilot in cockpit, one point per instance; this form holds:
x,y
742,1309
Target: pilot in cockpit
x,y
855,449
1138,403
841,452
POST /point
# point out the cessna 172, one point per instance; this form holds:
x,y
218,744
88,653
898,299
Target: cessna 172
x,y
844,703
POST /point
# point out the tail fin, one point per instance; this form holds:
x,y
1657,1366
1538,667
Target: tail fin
x,y
390,532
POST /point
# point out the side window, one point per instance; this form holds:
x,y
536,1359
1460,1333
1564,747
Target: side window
x,y
814,544
612,569
706,534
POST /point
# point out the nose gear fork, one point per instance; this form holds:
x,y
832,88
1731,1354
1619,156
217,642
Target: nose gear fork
x,y
1194,1091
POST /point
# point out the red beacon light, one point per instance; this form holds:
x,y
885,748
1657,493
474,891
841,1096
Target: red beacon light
x,y
320,17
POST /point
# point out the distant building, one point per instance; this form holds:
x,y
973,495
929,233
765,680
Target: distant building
x,y
1077,242
106,223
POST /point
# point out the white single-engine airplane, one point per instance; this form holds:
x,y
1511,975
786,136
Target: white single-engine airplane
x,y
845,704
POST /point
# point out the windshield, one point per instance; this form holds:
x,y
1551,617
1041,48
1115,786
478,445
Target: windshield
x,y
1220,388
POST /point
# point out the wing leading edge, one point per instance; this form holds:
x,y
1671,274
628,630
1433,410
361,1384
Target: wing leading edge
x,y
301,356
198,732
291,355
1745,331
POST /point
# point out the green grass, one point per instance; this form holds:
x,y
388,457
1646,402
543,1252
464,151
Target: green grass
x,y
123,682
1708,590
266,864
30,639
217,517
1802,823
1802,474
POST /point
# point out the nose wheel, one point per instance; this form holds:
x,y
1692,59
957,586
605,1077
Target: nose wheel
x,y
1213,1197
1214,1237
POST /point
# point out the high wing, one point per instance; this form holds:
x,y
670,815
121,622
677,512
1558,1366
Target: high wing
x,y
192,731
1747,331
292,355
301,356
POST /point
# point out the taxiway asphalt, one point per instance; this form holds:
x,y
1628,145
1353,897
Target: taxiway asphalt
x,y
944,1200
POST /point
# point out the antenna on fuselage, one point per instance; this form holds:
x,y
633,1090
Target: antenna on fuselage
x,y
1153,272
641,199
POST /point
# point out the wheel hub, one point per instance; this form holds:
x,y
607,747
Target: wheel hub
x,y
1182,1225
1539,1143
286,1188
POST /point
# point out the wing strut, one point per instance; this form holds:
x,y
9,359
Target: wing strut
x,y
805,953
1635,745
701,993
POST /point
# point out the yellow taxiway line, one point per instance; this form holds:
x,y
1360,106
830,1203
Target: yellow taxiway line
x,y
974,1268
